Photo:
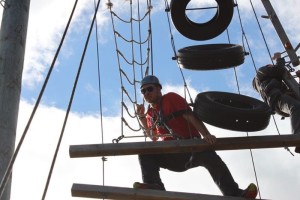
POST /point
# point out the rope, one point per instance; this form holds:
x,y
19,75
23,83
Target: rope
x,y
150,42
100,95
70,103
244,37
128,76
131,19
186,90
11,163
132,40
140,38
263,35
238,87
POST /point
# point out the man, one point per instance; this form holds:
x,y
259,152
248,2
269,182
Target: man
x,y
169,117
269,83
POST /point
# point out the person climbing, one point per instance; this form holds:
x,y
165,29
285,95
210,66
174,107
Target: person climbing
x,y
269,83
169,117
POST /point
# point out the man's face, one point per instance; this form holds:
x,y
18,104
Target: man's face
x,y
151,93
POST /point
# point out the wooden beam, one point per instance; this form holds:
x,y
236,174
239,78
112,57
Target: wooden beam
x,y
120,193
281,32
179,146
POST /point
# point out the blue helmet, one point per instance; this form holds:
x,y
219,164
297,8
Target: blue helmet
x,y
150,80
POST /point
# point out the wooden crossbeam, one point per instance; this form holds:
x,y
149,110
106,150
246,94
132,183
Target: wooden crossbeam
x,y
281,32
179,146
121,193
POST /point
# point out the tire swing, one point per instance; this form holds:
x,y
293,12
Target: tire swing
x,y
211,56
201,31
232,111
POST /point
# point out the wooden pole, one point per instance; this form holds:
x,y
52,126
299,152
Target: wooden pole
x,y
120,193
12,49
179,146
280,32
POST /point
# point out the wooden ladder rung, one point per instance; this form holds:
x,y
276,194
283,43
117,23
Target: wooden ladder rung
x,y
179,146
121,193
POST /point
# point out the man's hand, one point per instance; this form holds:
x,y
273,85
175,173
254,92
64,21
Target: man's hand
x,y
211,139
276,56
140,110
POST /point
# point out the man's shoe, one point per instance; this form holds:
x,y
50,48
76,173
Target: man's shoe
x,y
153,186
250,192
297,149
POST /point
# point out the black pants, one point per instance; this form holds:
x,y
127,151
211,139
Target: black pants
x,y
291,106
179,162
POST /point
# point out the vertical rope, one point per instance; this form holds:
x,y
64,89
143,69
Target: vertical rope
x,y
69,105
250,150
100,94
186,89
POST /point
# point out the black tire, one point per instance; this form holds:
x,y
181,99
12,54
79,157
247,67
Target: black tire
x,y
201,31
211,56
232,111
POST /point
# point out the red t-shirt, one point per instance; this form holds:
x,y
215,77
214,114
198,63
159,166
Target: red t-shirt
x,y
172,102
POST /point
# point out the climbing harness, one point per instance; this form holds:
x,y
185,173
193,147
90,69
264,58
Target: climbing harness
x,y
158,120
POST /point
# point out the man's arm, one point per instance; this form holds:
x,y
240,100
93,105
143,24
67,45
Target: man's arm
x,y
140,110
200,126
151,133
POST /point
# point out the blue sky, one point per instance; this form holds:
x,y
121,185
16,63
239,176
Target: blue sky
x,y
278,171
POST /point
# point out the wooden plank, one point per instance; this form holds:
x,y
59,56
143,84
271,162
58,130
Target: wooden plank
x,y
281,32
177,146
121,193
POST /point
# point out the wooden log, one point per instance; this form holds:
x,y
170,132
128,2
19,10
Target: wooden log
x,y
121,193
179,146
281,32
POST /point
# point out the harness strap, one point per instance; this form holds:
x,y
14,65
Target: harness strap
x,y
164,119
174,114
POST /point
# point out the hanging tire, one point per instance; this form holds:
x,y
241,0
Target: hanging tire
x,y
201,31
211,56
232,111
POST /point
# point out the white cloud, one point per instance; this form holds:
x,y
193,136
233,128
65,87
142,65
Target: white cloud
x,y
45,30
